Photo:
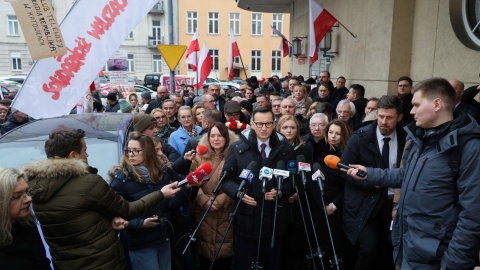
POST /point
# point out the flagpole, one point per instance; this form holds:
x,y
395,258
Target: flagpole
x,y
196,64
354,36
241,60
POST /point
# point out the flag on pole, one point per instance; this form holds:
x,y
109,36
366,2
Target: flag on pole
x,y
204,66
192,52
320,23
232,53
284,43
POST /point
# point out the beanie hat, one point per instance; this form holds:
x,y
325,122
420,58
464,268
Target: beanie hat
x,y
112,96
246,105
142,121
125,106
146,95
231,107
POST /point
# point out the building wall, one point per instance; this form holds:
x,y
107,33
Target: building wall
x,y
246,42
394,38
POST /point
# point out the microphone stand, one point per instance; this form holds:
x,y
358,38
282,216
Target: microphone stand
x,y
215,194
304,222
335,258
256,265
230,220
318,252
275,218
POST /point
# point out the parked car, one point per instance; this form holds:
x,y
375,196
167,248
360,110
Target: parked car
x,y
152,80
106,134
20,78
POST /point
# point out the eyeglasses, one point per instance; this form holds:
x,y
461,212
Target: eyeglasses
x,y
134,152
186,116
22,196
317,125
403,85
260,124
161,117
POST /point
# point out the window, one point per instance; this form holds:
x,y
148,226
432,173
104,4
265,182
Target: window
x,y
236,60
213,22
130,36
276,60
256,24
256,60
235,23
157,32
16,61
191,22
157,63
277,22
214,54
12,25
131,63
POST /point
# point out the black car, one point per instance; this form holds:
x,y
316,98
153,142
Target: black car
x,y
152,81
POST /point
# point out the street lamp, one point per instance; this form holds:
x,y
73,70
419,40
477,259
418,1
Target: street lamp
x,y
297,46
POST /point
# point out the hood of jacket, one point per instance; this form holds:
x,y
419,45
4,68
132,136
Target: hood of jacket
x,y
50,175
204,140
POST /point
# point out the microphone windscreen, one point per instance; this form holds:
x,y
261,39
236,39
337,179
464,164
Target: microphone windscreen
x,y
316,167
280,165
202,149
301,158
332,161
205,168
252,166
194,178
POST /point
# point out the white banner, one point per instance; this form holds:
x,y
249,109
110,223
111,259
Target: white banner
x,y
92,33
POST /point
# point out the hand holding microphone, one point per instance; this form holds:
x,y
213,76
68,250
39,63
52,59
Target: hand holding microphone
x,y
200,150
356,171
195,178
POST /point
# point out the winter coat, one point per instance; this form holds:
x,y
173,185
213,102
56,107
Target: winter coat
x,y
239,155
437,223
179,138
75,209
215,223
132,190
10,123
360,199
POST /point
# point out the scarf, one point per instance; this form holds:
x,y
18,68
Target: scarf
x,y
192,133
144,173
300,106
165,133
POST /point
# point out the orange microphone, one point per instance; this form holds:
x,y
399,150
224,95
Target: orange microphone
x,y
201,149
334,162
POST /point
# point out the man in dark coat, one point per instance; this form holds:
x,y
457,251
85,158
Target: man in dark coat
x,y
16,119
162,95
264,146
367,210
405,85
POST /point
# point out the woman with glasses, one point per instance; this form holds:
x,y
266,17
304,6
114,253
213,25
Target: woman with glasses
x,y
197,111
21,246
148,236
187,130
301,99
218,139
164,130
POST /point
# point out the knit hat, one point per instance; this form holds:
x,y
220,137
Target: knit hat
x,y
125,106
146,95
112,96
246,105
231,107
142,121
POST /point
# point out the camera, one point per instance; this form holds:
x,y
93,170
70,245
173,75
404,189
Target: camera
x,y
271,80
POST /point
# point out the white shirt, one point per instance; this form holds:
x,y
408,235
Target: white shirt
x,y
393,145
267,149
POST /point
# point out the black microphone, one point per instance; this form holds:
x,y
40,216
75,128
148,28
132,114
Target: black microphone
x,y
246,175
220,181
280,174
303,168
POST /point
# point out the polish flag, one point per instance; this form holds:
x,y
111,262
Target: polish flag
x,y
284,43
192,53
320,23
232,53
205,66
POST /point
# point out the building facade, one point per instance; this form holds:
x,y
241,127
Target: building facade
x,y
259,47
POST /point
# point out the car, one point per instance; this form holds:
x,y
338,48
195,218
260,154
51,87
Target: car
x,y
152,80
106,134
126,90
20,78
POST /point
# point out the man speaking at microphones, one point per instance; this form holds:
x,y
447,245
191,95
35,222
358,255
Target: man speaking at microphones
x,y
266,147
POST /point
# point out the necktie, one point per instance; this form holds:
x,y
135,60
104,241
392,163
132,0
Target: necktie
x,y
262,152
386,153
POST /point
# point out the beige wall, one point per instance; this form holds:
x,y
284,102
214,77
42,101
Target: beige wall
x,y
246,42
394,38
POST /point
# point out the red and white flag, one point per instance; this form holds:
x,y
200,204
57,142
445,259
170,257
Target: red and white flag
x,y
204,66
232,53
284,44
192,52
320,23
92,33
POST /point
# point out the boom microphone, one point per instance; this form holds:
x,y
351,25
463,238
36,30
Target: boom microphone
x,y
334,162
195,178
246,175
201,149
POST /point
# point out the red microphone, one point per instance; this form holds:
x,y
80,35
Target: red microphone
x,y
334,162
201,149
196,177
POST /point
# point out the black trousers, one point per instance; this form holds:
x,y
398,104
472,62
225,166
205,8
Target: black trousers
x,y
246,253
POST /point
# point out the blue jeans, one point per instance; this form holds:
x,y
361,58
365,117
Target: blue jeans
x,y
157,257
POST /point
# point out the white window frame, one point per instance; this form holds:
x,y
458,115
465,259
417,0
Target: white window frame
x,y
13,26
256,58
157,63
130,36
276,60
277,22
256,24
234,22
131,62
215,58
16,60
192,22
213,23
157,32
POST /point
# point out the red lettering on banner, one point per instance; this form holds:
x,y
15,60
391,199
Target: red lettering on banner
x,y
69,67
109,13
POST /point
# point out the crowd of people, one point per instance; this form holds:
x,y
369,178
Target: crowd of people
x,y
271,201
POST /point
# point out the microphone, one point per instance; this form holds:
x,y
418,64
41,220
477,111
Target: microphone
x,y
265,176
318,175
303,168
220,181
201,149
280,174
292,166
334,162
246,175
194,178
